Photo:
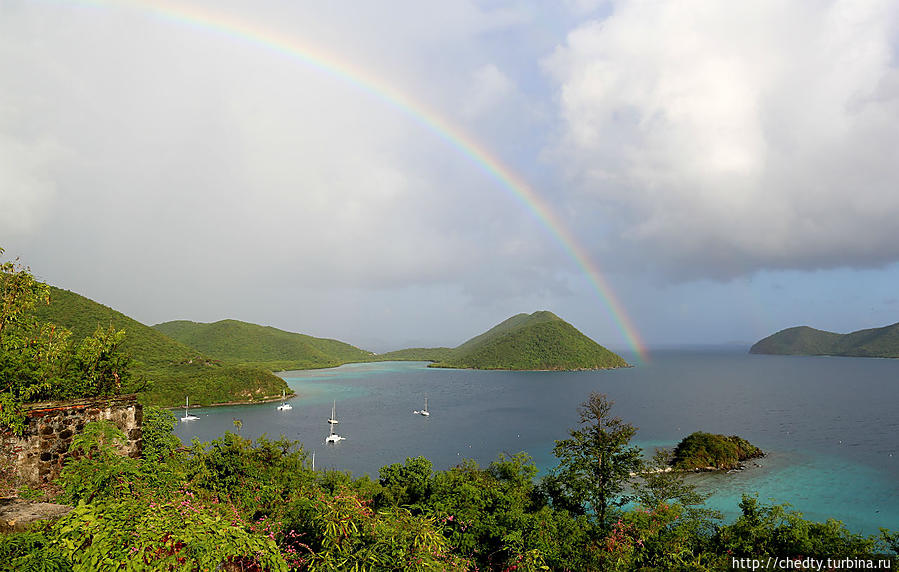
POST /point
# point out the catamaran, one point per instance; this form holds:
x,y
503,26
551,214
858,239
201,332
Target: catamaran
x,y
332,436
284,405
187,415
424,411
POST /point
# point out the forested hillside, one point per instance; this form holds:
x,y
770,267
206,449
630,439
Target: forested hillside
x,y
803,340
263,346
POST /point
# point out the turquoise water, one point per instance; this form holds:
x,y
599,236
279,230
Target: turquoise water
x,y
829,424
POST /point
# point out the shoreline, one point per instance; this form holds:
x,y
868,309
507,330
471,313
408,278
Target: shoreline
x,y
227,403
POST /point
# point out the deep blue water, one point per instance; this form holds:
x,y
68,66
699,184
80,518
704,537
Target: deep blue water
x,y
830,425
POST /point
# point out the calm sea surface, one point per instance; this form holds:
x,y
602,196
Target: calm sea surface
x,y
830,425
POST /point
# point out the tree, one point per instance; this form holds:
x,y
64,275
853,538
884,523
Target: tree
x,y
19,293
32,356
661,483
597,462
38,360
405,485
100,367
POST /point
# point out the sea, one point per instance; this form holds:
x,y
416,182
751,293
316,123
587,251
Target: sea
x,y
829,425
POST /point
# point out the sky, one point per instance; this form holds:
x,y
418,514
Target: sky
x,y
403,173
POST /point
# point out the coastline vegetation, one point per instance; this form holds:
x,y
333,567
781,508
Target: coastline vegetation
x,y
414,354
236,504
803,340
165,370
539,341
242,343
711,452
42,361
55,344
232,362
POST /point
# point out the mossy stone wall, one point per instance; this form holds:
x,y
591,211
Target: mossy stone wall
x,y
38,455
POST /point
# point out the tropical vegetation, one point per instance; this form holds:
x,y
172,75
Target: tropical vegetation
x,y
709,451
43,361
414,354
803,340
243,343
235,504
539,341
164,369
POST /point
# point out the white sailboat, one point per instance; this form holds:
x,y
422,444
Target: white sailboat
x,y
424,411
284,405
332,436
187,415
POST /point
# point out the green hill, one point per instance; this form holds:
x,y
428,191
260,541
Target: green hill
x,y
803,340
414,354
82,316
539,341
172,368
262,346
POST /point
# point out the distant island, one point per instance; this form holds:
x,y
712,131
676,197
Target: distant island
x,y
803,340
539,341
712,452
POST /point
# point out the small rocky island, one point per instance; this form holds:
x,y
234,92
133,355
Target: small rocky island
x,y
701,451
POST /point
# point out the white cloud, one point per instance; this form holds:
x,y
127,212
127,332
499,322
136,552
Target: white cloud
x,y
489,88
729,137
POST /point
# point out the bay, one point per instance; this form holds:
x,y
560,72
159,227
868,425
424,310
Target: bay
x,y
829,425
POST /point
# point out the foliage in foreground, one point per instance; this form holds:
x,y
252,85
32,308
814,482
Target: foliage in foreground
x,y
40,361
236,504
55,344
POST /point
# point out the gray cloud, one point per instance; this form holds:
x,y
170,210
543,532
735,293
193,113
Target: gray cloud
x,y
732,137
172,169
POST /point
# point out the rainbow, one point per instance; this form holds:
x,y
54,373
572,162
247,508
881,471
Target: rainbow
x,y
417,111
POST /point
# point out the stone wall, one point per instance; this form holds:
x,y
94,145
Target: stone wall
x,y
41,450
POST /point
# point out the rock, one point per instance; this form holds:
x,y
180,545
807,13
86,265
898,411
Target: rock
x,y
16,515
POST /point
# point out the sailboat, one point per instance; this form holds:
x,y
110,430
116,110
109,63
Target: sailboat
x,y
187,415
332,436
424,411
284,405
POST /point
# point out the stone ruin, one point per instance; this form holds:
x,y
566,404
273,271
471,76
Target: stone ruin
x,y
38,455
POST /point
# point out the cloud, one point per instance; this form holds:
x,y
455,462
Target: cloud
x,y
165,167
489,87
728,137
26,187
